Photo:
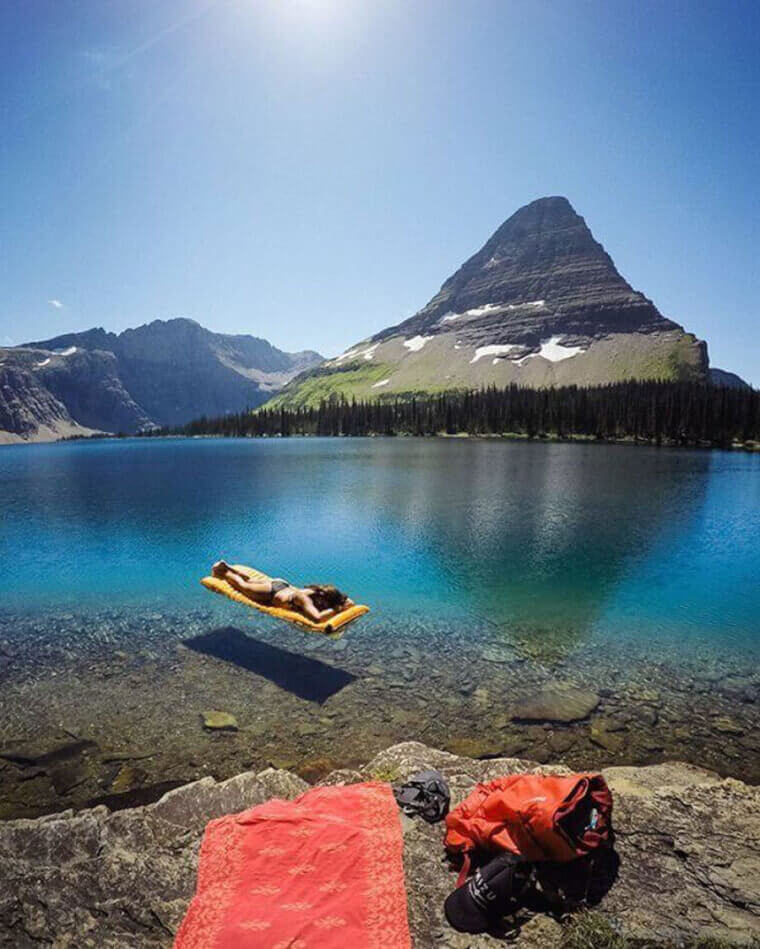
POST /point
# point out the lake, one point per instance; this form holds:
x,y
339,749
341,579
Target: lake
x,y
494,569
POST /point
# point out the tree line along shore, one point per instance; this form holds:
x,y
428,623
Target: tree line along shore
x,y
673,413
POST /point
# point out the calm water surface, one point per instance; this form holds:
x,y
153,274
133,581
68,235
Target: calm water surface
x,y
547,539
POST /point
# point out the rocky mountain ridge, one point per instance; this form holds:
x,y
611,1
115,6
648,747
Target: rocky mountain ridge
x,y
541,303
721,377
542,272
163,373
686,866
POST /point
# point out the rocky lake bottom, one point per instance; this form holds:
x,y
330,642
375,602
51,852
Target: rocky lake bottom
x,y
108,707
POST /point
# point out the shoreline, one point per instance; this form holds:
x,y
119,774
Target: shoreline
x,y
751,447
118,718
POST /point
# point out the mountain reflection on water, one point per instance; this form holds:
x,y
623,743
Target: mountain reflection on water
x,y
536,537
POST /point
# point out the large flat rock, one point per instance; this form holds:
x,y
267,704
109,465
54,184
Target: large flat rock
x,y
102,879
688,845
557,702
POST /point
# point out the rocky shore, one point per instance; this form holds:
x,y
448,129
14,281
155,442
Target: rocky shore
x,y
687,841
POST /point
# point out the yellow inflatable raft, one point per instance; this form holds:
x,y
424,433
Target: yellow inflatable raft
x,y
331,625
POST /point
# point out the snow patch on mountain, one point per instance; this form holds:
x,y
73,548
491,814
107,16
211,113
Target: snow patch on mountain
x,y
477,311
416,343
367,352
494,350
474,311
553,350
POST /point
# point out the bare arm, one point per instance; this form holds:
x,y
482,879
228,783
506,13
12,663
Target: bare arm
x,y
308,609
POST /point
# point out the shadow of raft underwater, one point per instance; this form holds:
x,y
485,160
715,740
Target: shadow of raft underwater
x,y
302,676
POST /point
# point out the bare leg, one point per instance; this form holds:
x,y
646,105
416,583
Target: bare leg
x,y
222,570
259,590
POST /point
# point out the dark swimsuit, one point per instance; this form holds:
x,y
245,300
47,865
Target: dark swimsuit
x,y
276,586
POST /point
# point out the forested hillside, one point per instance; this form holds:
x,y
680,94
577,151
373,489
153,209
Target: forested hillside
x,y
660,412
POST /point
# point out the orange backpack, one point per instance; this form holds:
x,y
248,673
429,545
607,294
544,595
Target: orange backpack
x,y
539,817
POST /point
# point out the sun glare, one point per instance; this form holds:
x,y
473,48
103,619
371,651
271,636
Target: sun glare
x,y
315,31
307,11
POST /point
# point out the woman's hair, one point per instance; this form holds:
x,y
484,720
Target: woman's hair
x,y
325,596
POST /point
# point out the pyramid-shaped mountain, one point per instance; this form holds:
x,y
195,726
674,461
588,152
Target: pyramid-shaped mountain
x,y
540,304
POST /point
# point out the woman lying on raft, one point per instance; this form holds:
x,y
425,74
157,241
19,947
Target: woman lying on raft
x,y
316,601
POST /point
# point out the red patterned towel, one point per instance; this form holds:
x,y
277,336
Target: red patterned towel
x,y
321,872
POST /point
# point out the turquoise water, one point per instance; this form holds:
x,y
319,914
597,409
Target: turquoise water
x,y
495,570
565,542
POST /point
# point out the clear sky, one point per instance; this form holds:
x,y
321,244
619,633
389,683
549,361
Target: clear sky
x,y
311,171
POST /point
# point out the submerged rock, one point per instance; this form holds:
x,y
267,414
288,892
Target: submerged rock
x,y
219,721
70,773
471,747
688,845
126,778
609,740
125,754
647,696
561,741
557,702
313,769
727,726
499,653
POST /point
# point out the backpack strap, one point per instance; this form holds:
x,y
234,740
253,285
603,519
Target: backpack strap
x,y
465,871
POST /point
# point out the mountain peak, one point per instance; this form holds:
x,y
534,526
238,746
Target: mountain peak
x,y
540,304
165,372
175,321
544,251
553,203
554,211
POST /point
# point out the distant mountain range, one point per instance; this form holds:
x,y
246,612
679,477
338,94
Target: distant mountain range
x,y
540,304
163,373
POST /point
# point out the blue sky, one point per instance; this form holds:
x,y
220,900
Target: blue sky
x,y
311,171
